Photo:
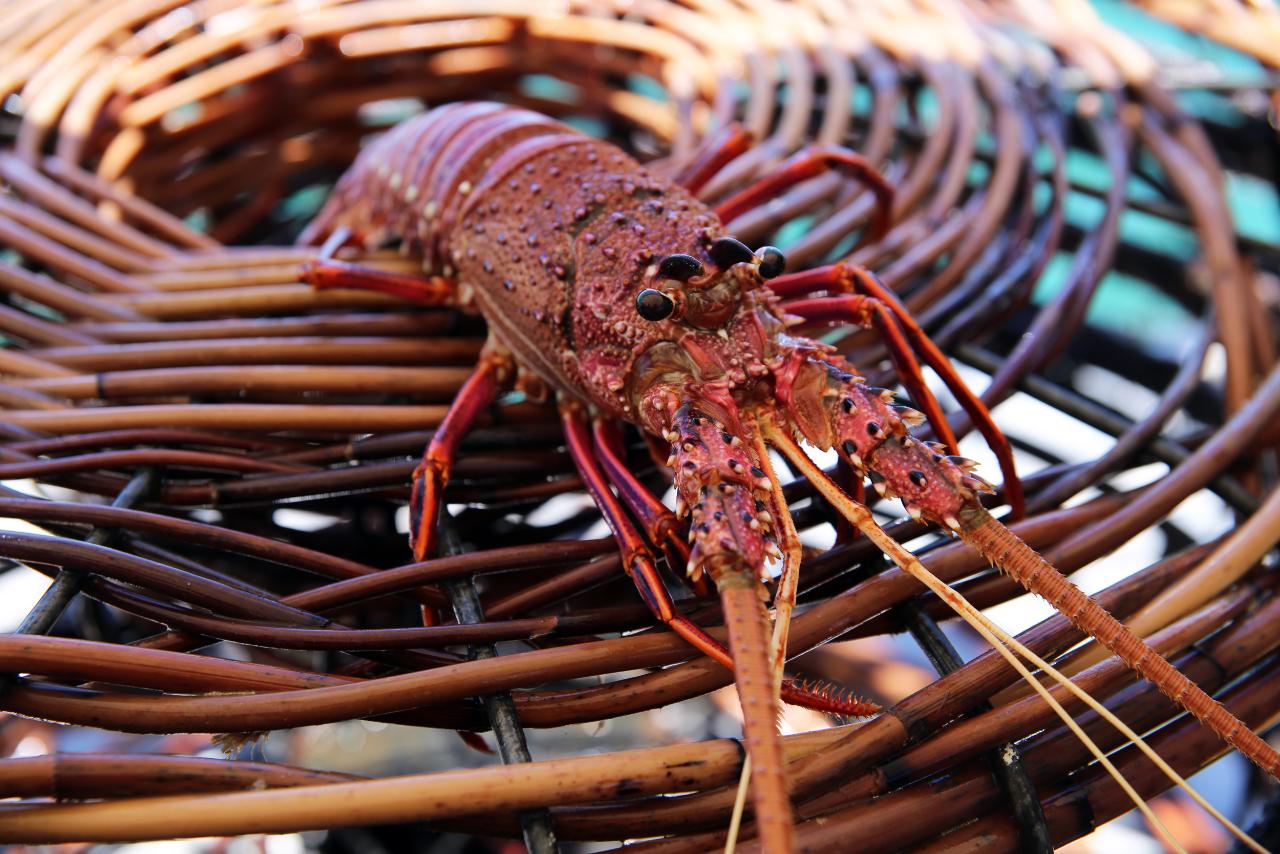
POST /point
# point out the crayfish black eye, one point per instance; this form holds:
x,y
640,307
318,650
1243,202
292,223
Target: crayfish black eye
x,y
680,267
726,252
654,304
772,262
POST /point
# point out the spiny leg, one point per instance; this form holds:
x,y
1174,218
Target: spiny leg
x,y
745,621
807,164
329,274
639,564
849,279
660,524
637,560
432,473
479,390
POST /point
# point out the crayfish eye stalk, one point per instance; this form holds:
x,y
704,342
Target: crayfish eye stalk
x,y
685,290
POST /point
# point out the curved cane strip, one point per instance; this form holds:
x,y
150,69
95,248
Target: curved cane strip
x,y
1239,553
739,805
1000,640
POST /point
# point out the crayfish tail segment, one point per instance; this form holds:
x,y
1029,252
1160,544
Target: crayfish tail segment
x,y
1011,555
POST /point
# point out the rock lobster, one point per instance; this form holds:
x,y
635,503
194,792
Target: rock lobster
x,y
617,290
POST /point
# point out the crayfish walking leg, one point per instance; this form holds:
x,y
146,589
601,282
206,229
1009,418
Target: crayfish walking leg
x,y
660,524
639,562
432,473
718,527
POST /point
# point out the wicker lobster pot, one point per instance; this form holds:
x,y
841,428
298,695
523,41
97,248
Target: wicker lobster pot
x,y
170,387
